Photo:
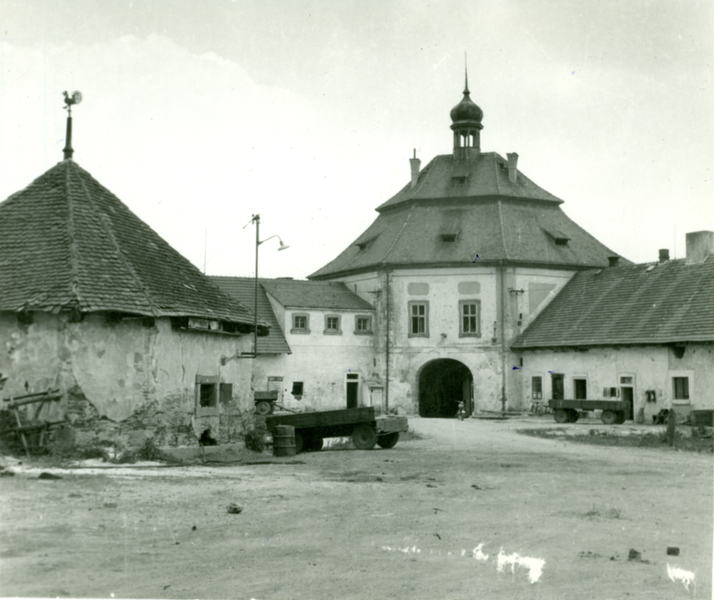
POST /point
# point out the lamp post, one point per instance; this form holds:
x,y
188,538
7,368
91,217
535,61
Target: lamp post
x,y
258,242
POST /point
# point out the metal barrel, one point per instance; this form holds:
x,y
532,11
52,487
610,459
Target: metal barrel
x,y
284,440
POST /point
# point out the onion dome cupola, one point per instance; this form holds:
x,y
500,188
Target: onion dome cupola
x,y
466,119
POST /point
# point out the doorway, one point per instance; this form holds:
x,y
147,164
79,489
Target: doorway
x,y
443,383
627,395
352,391
557,386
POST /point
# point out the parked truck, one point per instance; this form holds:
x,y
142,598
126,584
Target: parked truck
x,y
614,412
361,424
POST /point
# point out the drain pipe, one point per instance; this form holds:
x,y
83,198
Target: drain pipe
x,y
502,272
388,309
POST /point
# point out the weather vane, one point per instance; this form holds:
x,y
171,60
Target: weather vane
x,y
75,98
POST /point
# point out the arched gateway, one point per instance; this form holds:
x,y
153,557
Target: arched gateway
x,y
443,383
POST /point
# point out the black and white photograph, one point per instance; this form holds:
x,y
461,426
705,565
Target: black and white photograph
x,y
310,299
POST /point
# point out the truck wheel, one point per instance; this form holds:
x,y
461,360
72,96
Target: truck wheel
x,y
364,437
609,417
264,408
620,418
573,416
389,440
560,415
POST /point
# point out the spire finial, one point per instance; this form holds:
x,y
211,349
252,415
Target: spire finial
x,y
466,73
76,98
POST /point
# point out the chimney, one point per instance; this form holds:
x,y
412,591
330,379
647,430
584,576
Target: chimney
x,y
663,255
512,166
700,244
612,261
414,163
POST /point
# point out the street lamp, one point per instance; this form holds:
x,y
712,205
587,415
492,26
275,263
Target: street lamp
x,y
258,242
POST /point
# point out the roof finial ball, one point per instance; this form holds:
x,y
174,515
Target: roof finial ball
x,y
75,98
466,119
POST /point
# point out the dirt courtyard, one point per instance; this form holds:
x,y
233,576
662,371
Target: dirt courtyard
x,y
426,519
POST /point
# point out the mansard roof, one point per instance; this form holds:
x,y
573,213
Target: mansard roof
x,y
463,213
243,290
68,243
661,303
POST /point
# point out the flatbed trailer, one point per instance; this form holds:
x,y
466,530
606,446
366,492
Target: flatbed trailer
x,y
567,411
361,424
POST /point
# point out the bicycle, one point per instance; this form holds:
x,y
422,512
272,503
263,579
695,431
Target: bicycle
x,y
539,408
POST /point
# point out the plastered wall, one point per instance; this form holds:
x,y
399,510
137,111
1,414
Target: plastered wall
x,y
140,378
651,367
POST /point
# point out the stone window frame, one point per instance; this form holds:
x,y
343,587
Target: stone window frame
x,y
425,317
300,330
368,330
333,331
207,389
687,376
466,302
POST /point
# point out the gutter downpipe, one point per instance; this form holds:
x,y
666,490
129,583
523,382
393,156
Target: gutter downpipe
x,y
388,309
502,273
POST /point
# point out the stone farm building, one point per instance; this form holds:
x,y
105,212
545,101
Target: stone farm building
x,y
639,333
96,304
320,349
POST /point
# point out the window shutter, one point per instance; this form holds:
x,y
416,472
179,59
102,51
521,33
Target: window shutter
x,y
226,393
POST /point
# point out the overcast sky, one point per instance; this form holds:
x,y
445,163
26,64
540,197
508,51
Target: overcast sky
x,y
199,113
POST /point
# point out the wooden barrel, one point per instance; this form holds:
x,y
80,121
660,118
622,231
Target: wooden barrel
x,y
284,440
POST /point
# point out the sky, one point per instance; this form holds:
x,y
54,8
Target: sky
x,y
198,114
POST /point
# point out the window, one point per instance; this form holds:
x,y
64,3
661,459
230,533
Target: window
x,y
580,389
470,318
681,388
208,391
537,388
363,325
301,324
332,324
297,389
418,319
207,395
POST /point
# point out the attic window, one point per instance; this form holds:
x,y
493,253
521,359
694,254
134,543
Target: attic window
x,y
449,237
557,236
210,326
365,243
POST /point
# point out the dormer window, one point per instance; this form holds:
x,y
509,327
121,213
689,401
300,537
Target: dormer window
x,y
363,245
557,236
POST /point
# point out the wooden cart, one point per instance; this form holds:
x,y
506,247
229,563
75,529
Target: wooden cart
x,y
30,430
360,424
567,411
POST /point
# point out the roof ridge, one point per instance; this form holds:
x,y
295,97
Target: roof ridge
x,y
106,223
503,232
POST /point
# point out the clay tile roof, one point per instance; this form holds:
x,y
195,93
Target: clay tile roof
x,y
641,304
314,294
243,290
66,242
